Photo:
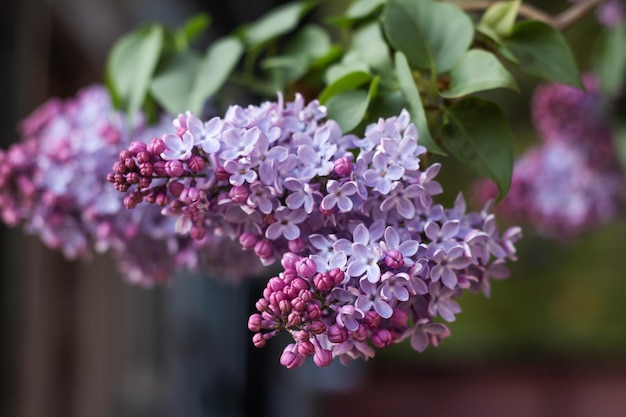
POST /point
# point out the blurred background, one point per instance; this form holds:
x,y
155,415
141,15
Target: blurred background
x,y
78,341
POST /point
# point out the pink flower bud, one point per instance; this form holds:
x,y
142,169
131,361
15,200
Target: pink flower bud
x,y
124,155
175,188
323,282
146,169
288,261
337,275
294,319
394,259
144,157
290,292
221,174
284,306
381,338
314,311
132,178
144,182
197,232
156,146
360,334
299,284
161,199
196,163
301,335
298,304
189,195
262,304
306,267
323,357
159,168
254,322
372,319
296,245
276,284
130,202
174,168
247,240
258,340
343,167
239,194
399,318
136,147
305,295
306,348
263,249
317,327
337,334
289,359
130,164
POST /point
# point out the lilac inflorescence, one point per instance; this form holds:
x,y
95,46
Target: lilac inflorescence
x,y
54,183
571,183
369,259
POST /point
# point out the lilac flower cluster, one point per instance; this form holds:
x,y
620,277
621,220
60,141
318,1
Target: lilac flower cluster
x,y
368,257
53,182
572,182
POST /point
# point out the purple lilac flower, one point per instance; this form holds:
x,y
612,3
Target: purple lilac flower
x,y
368,259
53,182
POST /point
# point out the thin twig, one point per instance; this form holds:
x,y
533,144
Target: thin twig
x,y
561,21
575,12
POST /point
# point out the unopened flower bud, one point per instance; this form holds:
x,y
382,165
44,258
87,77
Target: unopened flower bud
x,y
394,259
298,304
288,261
161,199
263,249
136,147
156,146
221,174
289,359
360,334
254,322
189,195
399,318
247,240
337,275
317,327
258,340
174,168
196,163
262,304
197,232
381,338
146,169
337,334
343,167
159,168
372,319
294,319
306,348
323,357
175,188
306,268
239,194
314,311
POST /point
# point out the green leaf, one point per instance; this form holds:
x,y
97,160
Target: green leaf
x,y
191,30
370,45
610,58
432,35
363,8
309,44
412,97
351,63
131,65
279,21
499,19
218,63
174,81
478,134
349,81
478,70
349,108
185,81
542,52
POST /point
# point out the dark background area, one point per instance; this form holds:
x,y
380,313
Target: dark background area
x,y
77,341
